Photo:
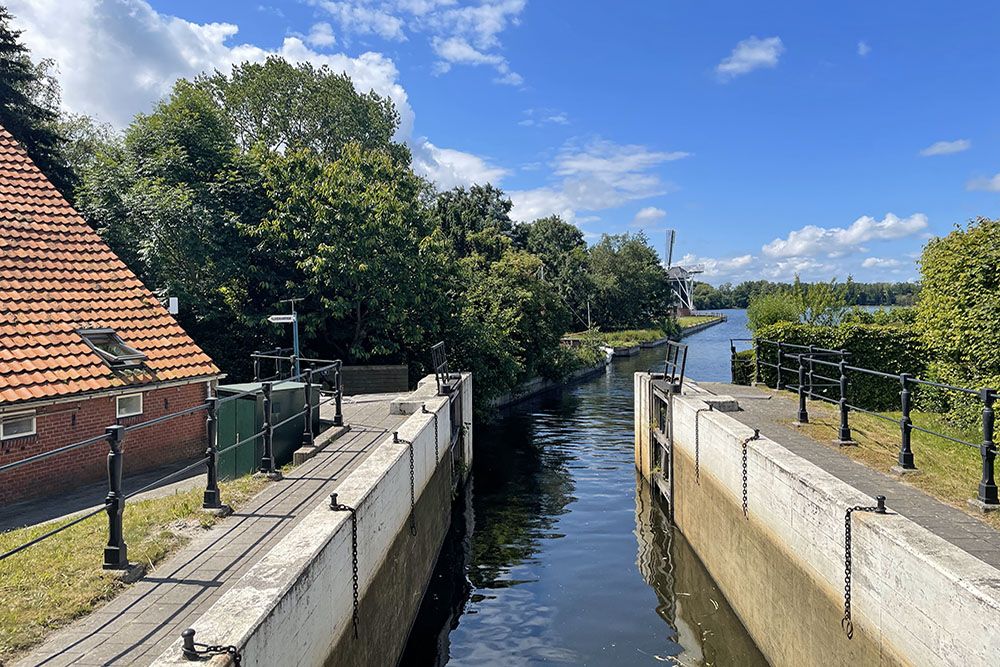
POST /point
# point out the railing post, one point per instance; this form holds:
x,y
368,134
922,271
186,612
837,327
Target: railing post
x,y
845,429
803,413
811,375
307,427
116,551
267,461
905,425
293,363
732,361
756,362
781,353
212,498
338,379
256,365
988,486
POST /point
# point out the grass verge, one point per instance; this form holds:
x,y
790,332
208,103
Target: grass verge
x,y
59,580
949,471
694,320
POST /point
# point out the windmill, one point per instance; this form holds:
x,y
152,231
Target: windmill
x,y
681,279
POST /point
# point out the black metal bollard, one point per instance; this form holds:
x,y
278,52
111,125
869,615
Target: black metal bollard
x,y
188,649
267,461
781,353
905,424
803,413
116,551
845,429
307,428
212,498
988,486
338,415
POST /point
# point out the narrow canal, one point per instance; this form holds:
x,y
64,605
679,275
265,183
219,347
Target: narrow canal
x,y
558,555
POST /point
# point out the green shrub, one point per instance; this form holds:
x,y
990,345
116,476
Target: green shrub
x,y
767,309
743,367
884,348
671,328
958,313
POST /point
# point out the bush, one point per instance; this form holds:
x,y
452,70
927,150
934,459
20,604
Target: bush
x,y
767,309
743,367
671,328
878,347
958,314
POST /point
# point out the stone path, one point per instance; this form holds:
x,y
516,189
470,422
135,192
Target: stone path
x,y
770,411
139,624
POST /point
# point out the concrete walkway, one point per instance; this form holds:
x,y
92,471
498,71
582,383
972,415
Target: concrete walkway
x,y
772,411
139,624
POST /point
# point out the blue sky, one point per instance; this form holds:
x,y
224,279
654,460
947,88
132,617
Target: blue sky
x,y
777,137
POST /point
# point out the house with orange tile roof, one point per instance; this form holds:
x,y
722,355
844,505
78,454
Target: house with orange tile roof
x,y
83,345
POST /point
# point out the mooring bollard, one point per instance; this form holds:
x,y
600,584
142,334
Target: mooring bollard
x,y
212,498
267,462
988,486
905,424
845,429
338,378
307,428
116,551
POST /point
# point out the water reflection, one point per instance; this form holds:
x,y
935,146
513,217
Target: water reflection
x,y
540,564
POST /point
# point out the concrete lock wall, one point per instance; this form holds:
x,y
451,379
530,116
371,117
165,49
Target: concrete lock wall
x,y
295,606
916,598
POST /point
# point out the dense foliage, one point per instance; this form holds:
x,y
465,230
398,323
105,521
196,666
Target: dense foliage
x,y
884,348
958,313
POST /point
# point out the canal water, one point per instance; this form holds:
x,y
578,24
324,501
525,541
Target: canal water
x,y
557,554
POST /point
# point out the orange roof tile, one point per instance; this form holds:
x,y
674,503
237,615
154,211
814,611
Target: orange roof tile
x,y
58,276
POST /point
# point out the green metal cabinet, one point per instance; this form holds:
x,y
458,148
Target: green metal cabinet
x,y
242,417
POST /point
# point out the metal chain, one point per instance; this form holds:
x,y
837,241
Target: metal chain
x,y
755,436
437,456
697,442
209,650
340,507
846,622
413,499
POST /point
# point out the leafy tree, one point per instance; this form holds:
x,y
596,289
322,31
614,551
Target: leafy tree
x,y
475,221
957,313
355,234
772,308
171,200
563,251
280,106
820,303
631,285
29,105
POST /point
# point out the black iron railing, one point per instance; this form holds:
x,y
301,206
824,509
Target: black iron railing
x,y
439,360
827,375
116,551
674,365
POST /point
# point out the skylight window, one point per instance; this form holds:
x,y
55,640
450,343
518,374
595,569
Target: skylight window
x,y
111,348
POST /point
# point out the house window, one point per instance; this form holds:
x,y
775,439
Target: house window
x,y
17,426
111,348
128,405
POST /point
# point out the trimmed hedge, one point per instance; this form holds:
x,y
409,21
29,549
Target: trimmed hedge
x,y
885,348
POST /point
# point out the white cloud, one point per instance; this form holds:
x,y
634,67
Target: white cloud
x,y
946,147
814,241
449,168
648,215
983,183
863,48
750,54
119,57
460,33
542,117
597,176
321,35
360,18
881,263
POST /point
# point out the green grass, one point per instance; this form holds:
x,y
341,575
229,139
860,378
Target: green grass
x,y
632,337
60,579
949,471
694,320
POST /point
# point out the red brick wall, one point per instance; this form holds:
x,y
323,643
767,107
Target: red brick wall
x,y
180,438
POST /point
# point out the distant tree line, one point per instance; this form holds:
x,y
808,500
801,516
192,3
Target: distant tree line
x,y
727,295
